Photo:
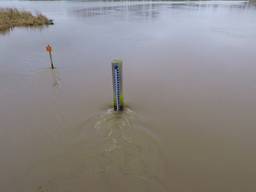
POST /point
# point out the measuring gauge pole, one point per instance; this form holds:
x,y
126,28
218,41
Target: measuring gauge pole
x,y
118,98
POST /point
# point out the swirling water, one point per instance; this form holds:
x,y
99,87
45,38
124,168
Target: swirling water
x,y
109,151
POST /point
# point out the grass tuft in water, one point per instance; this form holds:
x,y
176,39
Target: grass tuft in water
x,y
10,17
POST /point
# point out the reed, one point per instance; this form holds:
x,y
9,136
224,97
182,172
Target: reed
x,y
10,17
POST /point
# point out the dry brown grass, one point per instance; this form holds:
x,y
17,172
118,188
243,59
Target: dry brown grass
x,y
10,18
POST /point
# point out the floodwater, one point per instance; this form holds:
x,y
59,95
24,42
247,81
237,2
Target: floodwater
x,y
189,85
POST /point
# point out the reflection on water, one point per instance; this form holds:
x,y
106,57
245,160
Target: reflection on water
x,y
6,31
140,10
213,4
55,78
28,28
151,10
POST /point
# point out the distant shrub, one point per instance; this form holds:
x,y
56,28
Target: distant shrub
x,y
10,17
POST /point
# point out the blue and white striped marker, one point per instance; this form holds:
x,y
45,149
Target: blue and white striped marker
x,y
118,99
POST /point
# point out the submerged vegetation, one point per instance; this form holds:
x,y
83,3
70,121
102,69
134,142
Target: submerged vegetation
x,y
10,18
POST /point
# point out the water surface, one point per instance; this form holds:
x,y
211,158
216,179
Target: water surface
x,y
190,90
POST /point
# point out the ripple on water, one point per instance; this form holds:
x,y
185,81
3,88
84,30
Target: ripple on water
x,y
111,151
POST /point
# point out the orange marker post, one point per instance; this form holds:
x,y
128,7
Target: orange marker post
x,y
49,50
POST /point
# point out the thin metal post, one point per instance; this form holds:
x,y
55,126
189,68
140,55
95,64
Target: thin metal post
x,y
118,98
49,50
52,66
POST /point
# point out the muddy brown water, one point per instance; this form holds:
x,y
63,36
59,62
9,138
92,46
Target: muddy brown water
x,y
189,86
